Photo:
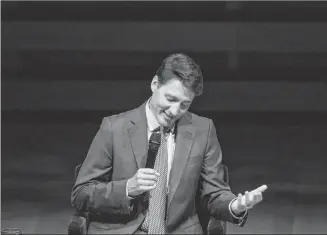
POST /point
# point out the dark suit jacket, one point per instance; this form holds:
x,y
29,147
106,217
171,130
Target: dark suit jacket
x,y
119,149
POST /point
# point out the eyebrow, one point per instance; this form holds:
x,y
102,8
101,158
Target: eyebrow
x,y
174,97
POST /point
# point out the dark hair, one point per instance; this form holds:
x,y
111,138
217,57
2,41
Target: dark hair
x,y
184,68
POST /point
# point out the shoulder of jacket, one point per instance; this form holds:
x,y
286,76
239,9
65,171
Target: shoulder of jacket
x,y
119,119
200,122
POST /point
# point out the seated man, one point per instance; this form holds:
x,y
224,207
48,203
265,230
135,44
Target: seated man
x,y
145,166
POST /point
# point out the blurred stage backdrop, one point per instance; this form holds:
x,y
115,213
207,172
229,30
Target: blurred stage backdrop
x,y
65,65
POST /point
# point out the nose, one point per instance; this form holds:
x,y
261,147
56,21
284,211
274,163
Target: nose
x,y
174,110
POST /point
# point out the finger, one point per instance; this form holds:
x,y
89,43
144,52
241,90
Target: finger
x,y
247,196
261,189
148,171
147,177
146,182
239,199
247,199
254,196
256,199
147,188
241,202
259,197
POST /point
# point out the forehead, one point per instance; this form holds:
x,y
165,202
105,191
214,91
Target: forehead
x,y
175,87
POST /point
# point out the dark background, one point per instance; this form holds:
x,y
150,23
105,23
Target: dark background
x,y
65,65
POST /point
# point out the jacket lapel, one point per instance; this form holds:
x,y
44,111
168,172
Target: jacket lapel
x,y
184,142
138,136
137,131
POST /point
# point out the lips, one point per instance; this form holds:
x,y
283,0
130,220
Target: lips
x,y
168,115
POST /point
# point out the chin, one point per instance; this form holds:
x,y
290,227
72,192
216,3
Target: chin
x,y
164,122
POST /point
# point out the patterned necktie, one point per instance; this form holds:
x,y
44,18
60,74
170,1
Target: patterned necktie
x,y
155,222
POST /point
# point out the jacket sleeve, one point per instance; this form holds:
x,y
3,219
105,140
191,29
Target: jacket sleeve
x,y
94,191
216,195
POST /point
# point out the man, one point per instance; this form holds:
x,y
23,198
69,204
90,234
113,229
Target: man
x,y
127,189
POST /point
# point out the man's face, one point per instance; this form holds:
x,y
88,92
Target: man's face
x,y
170,101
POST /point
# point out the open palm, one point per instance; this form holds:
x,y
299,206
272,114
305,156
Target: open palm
x,y
248,200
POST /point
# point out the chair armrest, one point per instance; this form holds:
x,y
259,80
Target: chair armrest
x,y
79,223
216,226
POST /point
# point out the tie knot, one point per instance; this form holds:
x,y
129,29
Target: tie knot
x,y
163,129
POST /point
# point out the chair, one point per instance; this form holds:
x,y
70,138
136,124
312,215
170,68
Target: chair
x,y
79,222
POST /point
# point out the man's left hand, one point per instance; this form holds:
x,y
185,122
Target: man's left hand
x,y
248,200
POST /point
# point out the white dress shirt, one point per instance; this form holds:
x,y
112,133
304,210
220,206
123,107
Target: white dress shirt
x,y
152,125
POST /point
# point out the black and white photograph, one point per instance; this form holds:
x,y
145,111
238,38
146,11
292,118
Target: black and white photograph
x,y
163,117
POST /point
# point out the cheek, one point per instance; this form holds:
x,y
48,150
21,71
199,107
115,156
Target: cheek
x,y
182,112
160,108
163,105
159,104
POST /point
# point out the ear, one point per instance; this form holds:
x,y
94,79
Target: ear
x,y
154,83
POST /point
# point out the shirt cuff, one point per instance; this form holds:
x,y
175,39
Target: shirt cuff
x,y
241,216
